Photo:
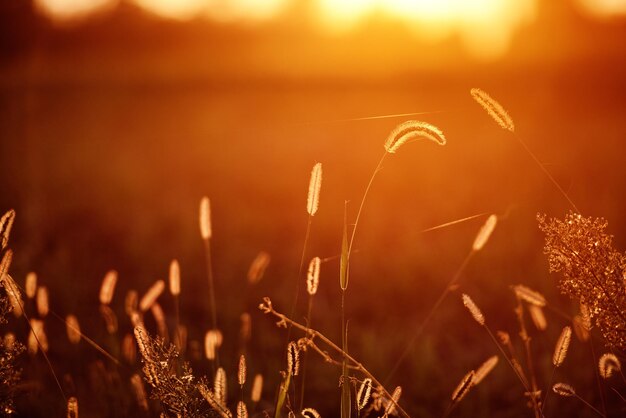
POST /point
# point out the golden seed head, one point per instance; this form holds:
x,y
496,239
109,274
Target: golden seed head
x,y
257,388
529,296
205,218
484,233
563,389
42,301
30,288
313,276
108,287
293,359
219,386
562,344
72,407
310,413
258,266
73,329
538,318
395,397
413,130
471,306
609,364
6,223
241,371
363,396
315,184
174,278
494,109
485,369
151,295
37,337
242,411
463,387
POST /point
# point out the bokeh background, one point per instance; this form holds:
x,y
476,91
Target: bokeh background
x,y
117,116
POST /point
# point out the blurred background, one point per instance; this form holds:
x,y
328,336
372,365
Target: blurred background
x,y
117,116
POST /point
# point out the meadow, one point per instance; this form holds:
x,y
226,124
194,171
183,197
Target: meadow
x,y
391,306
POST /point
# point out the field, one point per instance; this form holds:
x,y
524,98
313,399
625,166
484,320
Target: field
x,y
108,174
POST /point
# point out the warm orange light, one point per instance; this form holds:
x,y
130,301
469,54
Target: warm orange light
x,y
486,26
224,10
63,10
604,8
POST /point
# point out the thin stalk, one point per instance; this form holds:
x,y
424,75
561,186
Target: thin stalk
x,y
519,311
209,269
267,308
595,362
520,376
304,360
297,294
589,405
54,375
545,171
429,315
358,215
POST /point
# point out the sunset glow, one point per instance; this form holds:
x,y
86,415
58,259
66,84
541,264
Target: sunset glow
x,y
485,27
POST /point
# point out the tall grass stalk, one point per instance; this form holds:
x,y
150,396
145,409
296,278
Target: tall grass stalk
x,y
313,196
352,364
206,233
479,242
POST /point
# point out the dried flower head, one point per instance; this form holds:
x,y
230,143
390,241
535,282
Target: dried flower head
x,y
413,130
592,270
